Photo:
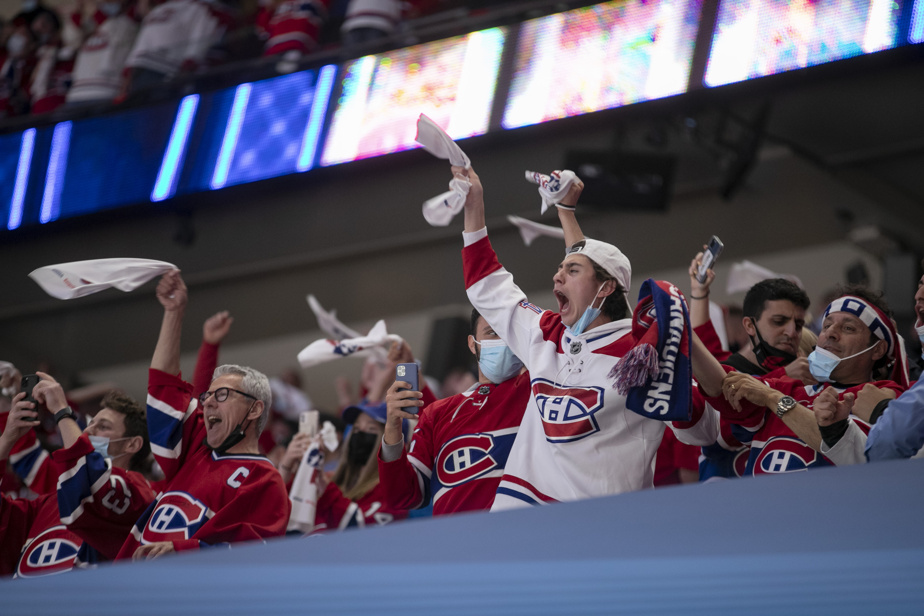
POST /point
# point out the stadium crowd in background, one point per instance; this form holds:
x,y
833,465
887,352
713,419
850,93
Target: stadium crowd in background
x,y
95,52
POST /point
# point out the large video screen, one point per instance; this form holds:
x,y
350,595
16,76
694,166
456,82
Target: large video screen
x,y
452,81
600,57
754,38
916,33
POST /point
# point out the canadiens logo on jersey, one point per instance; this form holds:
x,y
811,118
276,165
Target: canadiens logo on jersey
x,y
52,551
567,412
784,454
465,458
177,516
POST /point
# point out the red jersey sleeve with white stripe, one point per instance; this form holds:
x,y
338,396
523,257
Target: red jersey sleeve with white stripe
x,y
336,512
710,338
175,421
31,462
98,503
500,301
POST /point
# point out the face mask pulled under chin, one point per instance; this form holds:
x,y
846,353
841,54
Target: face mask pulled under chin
x,y
497,361
768,357
590,314
822,362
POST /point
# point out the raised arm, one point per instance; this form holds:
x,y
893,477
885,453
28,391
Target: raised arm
x,y
567,217
699,293
474,203
171,293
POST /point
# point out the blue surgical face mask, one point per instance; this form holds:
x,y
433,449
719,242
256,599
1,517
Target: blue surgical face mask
x,y
920,331
587,318
101,444
497,361
822,363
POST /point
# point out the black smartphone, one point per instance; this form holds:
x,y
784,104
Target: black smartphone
x,y
710,256
409,374
28,383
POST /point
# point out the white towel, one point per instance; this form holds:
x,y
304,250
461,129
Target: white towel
x,y
746,274
79,278
552,188
436,141
440,210
328,321
324,350
304,492
530,230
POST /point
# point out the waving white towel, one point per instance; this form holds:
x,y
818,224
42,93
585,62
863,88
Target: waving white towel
x,y
321,351
440,210
79,278
328,321
436,141
552,188
530,230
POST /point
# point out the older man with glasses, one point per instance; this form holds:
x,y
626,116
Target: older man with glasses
x,y
218,488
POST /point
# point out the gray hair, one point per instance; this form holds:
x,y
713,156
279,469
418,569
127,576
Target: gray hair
x,y
254,383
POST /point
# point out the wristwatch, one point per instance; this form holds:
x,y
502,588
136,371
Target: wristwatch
x,y
786,404
65,412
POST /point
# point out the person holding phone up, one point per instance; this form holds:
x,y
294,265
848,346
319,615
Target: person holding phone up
x,y
461,443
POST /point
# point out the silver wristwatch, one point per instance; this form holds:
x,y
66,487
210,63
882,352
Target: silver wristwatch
x,y
786,404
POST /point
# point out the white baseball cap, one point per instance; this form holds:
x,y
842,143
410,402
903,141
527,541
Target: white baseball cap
x,y
608,257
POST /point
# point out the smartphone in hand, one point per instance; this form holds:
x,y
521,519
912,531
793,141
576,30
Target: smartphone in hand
x,y
409,374
710,256
308,422
28,383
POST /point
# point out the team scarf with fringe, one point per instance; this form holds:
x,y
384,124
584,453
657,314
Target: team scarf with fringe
x,y
656,375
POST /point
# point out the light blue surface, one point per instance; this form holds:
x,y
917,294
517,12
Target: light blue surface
x,y
832,541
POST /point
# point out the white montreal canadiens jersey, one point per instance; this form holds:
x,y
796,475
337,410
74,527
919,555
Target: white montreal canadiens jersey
x,y
577,439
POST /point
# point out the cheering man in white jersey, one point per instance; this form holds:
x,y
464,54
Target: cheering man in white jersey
x,y
578,439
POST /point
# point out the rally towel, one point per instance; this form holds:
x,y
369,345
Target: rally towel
x,y
656,375
438,142
530,230
79,278
304,491
440,210
552,188
324,350
328,321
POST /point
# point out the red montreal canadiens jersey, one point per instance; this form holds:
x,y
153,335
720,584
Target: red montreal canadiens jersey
x,y
97,502
577,439
774,447
459,449
33,541
337,512
208,497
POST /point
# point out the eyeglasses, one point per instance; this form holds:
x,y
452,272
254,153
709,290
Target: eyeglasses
x,y
221,394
